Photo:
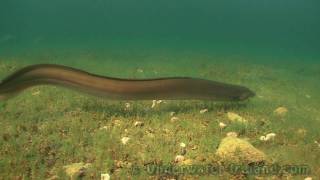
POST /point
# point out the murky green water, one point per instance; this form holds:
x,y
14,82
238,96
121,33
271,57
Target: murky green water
x,y
289,29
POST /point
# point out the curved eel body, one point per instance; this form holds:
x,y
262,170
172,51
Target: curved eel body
x,y
121,89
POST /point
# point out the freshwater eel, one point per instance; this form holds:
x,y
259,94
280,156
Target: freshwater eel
x,y
168,88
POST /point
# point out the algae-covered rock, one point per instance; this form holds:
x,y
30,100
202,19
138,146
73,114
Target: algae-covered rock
x,y
235,150
76,169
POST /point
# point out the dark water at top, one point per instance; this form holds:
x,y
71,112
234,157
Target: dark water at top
x,y
251,27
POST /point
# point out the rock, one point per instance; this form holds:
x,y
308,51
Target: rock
x,y
138,124
281,111
203,111
179,159
125,140
183,145
235,150
232,134
268,137
235,117
222,125
174,118
105,176
76,169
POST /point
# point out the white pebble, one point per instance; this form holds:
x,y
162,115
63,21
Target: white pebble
x,y
222,125
105,176
104,127
183,145
179,158
174,118
308,178
138,123
154,102
203,111
262,138
127,105
235,117
125,140
268,137
232,134
35,93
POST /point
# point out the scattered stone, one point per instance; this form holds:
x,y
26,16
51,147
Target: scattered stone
x,y
125,140
235,150
235,117
222,125
186,162
203,111
127,106
179,159
281,111
308,178
317,143
36,93
76,169
138,124
154,103
116,122
104,128
183,145
105,176
174,118
232,134
268,137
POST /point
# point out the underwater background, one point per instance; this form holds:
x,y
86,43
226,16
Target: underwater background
x,y
272,47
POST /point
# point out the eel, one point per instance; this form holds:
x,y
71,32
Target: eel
x,y
167,88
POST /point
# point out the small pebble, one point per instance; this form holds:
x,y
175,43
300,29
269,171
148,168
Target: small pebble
x,y
127,105
203,111
140,70
308,96
281,111
232,134
172,113
104,127
105,176
308,178
179,158
154,102
222,125
174,118
125,140
183,145
235,117
268,137
35,93
138,124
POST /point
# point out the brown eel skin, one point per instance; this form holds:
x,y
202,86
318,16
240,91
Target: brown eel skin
x,y
170,88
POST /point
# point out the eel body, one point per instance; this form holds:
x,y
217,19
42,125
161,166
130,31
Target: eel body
x,y
171,88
